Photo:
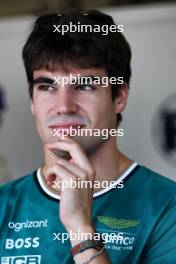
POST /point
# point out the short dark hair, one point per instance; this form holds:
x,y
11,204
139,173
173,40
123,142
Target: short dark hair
x,y
45,49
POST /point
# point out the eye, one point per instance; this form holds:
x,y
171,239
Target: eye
x,y
46,87
85,87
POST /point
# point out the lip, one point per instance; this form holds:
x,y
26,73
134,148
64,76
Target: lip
x,y
65,125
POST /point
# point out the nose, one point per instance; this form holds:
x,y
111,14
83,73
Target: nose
x,y
65,101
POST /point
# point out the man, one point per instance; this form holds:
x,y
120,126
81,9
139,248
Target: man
x,y
135,215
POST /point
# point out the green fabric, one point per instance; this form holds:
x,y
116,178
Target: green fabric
x,y
142,215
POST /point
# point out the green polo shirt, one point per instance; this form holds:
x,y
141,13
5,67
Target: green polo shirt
x,y
141,216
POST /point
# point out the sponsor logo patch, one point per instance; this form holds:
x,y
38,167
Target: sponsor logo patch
x,y
18,226
117,223
114,236
32,259
27,242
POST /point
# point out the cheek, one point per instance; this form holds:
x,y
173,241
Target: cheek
x,y
99,109
105,111
42,105
40,113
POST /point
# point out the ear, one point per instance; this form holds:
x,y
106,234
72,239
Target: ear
x,y
121,99
32,107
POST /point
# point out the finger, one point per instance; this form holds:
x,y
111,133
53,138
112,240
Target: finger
x,y
51,179
72,168
76,152
60,172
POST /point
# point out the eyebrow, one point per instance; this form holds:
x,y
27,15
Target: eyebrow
x,y
48,80
89,78
43,80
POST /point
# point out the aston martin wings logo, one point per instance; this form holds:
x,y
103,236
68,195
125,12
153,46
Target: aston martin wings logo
x,y
117,223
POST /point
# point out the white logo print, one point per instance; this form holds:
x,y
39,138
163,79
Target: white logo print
x,y
27,224
22,243
32,259
118,240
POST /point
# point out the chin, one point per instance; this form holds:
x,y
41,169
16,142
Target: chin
x,y
90,144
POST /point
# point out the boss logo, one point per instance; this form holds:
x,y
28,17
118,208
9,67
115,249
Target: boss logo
x,y
22,243
33,259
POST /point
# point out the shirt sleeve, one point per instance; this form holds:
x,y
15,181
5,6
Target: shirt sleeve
x,y
161,246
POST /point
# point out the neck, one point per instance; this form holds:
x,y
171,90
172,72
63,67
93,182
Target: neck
x,y
109,162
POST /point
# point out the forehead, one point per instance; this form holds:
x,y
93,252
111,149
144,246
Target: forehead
x,y
95,71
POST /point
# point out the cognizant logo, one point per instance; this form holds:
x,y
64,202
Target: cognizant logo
x,y
27,224
32,259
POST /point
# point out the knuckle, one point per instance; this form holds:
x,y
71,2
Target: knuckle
x,y
55,167
74,178
92,172
86,176
74,144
